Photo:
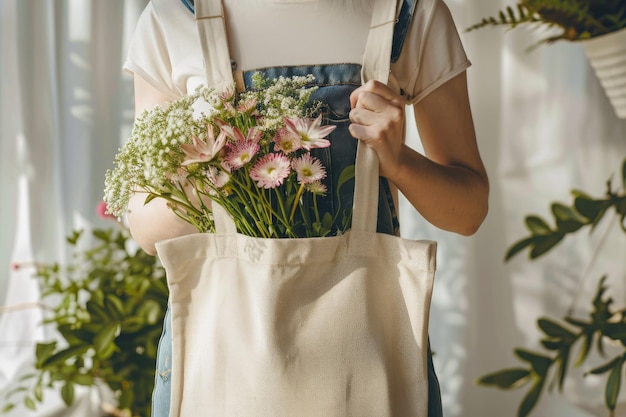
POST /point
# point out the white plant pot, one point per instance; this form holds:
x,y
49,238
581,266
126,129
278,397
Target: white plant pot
x,y
607,54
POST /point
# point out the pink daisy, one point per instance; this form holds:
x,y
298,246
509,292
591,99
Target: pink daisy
x,y
308,168
311,132
287,141
270,171
240,153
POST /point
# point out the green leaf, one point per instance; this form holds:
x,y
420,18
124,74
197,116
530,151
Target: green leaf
x,y
613,384
518,247
616,331
105,338
67,393
554,329
113,305
563,366
97,311
576,322
591,209
7,408
346,175
30,404
585,348
44,350
83,379
73,238
537,226
604,368
60,357
552,344
38,392
530,400
506,379
539,363
567,219
126,399
103,235
544,243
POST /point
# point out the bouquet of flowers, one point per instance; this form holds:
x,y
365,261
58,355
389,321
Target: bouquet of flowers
x,y
249,152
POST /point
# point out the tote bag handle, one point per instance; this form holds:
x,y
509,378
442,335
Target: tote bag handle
x,y
211,24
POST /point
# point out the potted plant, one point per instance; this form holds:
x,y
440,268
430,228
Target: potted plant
x,y
107,305
570,341
599,26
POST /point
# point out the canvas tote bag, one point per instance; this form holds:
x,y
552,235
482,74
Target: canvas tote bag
x,y
324,327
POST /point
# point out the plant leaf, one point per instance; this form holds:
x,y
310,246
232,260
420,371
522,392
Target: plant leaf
x,y
544,243
613,384
67,393
537,225
518,247
554,329
604,368
530,400
60,357
105,338
506,379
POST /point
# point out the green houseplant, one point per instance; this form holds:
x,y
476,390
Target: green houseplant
x,y
598,25
576,19
107,305
571,339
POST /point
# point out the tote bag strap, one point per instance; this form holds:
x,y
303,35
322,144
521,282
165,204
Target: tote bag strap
x,y
211,24
376,66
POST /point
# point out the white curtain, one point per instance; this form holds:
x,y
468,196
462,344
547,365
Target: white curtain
x,y
544,127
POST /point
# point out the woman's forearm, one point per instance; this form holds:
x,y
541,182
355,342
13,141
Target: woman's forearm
x,y
453,198
152,222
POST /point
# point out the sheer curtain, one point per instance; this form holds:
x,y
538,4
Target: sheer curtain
x,y
544,127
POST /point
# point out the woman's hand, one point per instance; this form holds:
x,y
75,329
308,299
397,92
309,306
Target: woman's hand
x,y
448,184
377,118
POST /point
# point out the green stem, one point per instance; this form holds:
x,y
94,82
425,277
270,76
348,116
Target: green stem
x,y
296,201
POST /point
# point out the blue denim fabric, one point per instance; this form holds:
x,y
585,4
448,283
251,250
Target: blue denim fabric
x,y
335,83
162,379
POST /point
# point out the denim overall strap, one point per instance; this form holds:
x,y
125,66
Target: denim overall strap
x,y
212,31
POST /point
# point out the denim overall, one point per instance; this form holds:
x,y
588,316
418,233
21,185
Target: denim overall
x,y
335,83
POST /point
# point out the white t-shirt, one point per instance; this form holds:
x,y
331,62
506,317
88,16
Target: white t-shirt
x,y
166,52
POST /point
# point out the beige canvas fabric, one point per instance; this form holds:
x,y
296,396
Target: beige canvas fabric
x,y
165,50
321,327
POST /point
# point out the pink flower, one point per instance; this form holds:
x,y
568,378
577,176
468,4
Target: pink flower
x,y
103,212
240,153
247,106
311,132
308,168
236,135
201,151
270,170
287,141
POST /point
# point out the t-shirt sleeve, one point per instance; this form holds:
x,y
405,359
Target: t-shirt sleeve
x,y
148,55
433,53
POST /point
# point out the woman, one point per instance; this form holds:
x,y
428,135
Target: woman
x,y
284,37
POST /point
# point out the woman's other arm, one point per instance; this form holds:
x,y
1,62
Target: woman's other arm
x,y
152,222
448,185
